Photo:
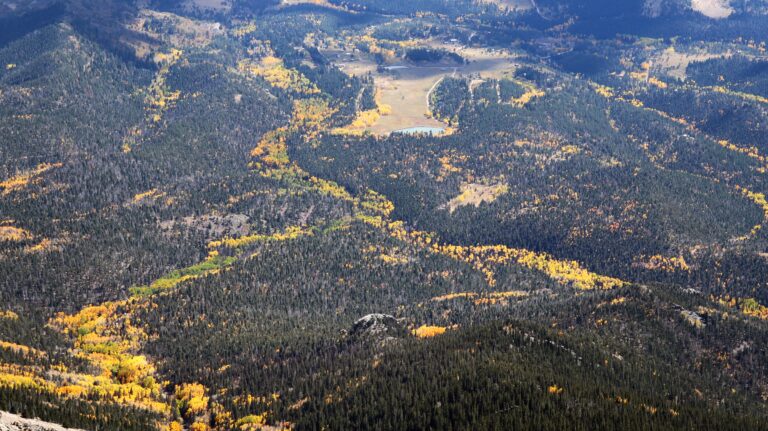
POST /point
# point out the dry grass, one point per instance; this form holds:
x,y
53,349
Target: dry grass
x,y
188,32
405,87
675,64
407,95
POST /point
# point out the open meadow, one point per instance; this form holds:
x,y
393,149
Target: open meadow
x,y
406,87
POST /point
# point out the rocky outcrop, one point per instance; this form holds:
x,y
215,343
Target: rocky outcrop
x,y
12,422
376,327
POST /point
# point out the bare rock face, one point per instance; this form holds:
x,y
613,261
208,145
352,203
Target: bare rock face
x,y
376,327
715,9
12,422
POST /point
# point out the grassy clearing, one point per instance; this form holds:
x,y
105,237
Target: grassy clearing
x,y
675,63
405,87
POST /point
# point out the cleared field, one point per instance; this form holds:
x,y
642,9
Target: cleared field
x,y
675,64
407,95
405,87
186,32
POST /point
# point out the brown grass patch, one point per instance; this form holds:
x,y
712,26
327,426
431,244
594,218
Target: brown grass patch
x,y
406,87
187,32
675,64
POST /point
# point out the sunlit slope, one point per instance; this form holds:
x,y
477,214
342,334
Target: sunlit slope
x,y
202,227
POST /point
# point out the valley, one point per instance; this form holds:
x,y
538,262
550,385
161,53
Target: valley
x,y
383,215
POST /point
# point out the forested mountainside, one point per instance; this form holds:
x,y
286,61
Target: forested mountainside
x,y
332,214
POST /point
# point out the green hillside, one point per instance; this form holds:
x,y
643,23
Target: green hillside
x,y
383,215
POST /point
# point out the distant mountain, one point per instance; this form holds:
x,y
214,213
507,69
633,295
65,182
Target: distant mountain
x,y
715,9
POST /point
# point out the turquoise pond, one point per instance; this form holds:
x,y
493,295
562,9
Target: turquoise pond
x,y
421,130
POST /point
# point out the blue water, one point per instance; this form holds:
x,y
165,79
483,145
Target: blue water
x,y
421,130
